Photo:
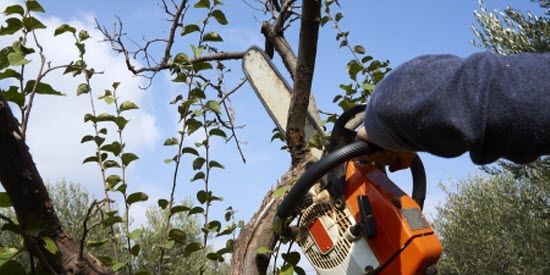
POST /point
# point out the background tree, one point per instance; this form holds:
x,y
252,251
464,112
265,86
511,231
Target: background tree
x,y
494,224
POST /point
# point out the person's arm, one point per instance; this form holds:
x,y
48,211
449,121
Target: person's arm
x,y
492,106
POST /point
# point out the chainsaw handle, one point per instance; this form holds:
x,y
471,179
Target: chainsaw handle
x,y
313,175
329,162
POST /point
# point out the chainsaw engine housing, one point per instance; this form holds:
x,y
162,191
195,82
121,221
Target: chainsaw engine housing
x,y
381,230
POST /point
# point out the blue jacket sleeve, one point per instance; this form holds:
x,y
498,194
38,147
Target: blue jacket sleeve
x,y
490,105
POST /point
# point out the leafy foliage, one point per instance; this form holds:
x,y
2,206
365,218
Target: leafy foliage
x,y
495,225
511,31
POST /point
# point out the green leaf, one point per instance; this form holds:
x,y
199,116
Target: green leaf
x,y
169,244
17,59
135,250
34,6
128,105
162,203
292,258
115,85
31,23
134,234
10,73
359,49
197,51
49,244
212,36
120,122
287,269
14,96
178,209
202,196
97,243
264,251
5,200
41,88
189,150
12,267
198,176
346,104
117,266
212,256
177,235
338,16
111,220
197,93
280,191
214,106
114,148
63,29
127,158
137,197
191,248
7,253
214,164
83,35
112,181
214,226
14,9
90,159
13,26
195,210
193,125
198,163
324,20
122,188
189,29
83,88
217,132
201,66
219,16
171,141
179,78
110,164
202,4
109,99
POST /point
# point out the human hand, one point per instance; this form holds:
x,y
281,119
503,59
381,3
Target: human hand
x,y
395,160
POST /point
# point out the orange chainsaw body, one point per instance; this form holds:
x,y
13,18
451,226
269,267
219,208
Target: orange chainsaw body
x,y
404,243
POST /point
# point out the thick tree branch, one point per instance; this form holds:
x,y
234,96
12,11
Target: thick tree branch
x,y
31,202
259,231
307,52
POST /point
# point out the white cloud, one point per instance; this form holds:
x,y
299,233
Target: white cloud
x,y
56,123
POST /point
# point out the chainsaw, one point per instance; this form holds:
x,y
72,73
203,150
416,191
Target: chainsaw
x,y
352,218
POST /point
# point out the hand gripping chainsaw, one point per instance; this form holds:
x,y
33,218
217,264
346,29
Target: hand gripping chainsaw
x,y
356,221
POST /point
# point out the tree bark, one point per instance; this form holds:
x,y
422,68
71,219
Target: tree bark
x,y
259,231
307,52
34,209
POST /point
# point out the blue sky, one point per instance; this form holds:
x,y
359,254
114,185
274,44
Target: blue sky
x,y
392,30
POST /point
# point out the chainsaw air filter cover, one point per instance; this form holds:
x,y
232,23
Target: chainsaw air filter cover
x,y
380,231
327,245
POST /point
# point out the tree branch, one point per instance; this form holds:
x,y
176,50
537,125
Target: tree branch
x,y
31,202
307,52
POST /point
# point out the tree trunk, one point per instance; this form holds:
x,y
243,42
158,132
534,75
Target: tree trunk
x,y
34,209
259,231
